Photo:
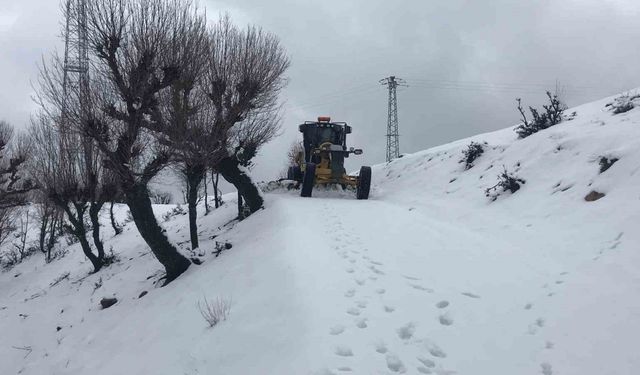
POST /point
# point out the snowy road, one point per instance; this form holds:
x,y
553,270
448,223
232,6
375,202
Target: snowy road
x,y
395,290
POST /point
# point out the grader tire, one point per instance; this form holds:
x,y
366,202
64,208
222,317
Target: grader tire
x,y
308,180
364,183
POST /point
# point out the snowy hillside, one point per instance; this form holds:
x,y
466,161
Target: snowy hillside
x,y
429,276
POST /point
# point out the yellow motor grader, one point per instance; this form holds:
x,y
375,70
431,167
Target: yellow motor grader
x,y
322,160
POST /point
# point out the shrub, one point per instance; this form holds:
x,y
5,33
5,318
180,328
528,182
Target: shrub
x,y
177,210
160,197
551,116
215,312
473,151
506,182
623,103
606,163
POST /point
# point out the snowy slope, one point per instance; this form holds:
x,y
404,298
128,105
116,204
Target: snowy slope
x,y
428,276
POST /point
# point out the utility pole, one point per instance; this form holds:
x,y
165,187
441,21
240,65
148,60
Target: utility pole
x,y
393,142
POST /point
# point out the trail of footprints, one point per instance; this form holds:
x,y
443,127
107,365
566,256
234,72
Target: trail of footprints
x,y
375,269
536,325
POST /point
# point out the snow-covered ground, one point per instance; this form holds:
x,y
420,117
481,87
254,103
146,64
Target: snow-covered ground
x,y
428,276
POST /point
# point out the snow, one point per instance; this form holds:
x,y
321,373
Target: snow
x,y
428,276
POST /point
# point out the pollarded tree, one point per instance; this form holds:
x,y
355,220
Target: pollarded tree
x,y
259,128
137,57
68,179
191,133
245,76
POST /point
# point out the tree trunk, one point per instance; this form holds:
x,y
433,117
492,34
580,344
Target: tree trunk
x,y
230,170
79,231
139,202
44,224
194,176
206,193
94,215
116,227
215,188
240,207
53,227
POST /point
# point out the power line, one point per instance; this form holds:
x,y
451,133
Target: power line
x,y
393,138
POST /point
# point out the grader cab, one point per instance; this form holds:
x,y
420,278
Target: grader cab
x,y
322,161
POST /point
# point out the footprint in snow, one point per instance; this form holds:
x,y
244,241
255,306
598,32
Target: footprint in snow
x,y
445,319
411,278
353,311
381,291
336,330
389,309
350,293
471,295
350,270
361,323
426,362
442,304
344,351
546,369
435,350
362,304
395,364
344,368
360,281
406,331
376,263
424,370
528,306
420,287
381,348
548,345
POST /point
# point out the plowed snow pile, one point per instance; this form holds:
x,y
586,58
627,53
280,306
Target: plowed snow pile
x,y
428,276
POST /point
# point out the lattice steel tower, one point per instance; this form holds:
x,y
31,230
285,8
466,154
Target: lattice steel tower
x,y
393,141
75,87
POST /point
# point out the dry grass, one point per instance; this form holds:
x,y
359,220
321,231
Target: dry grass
x,y
216,311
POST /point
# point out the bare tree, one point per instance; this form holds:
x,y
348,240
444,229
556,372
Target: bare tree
x,y
67,181
245,76
138,46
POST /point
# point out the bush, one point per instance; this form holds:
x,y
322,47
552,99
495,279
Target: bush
x,y
160,197
177,210
473,151
606,163
506,182
551,116
622,104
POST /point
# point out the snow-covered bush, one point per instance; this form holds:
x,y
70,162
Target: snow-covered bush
x,y
471,153
606,163
623,103
506,182
177,210
160,197
551,116
216,311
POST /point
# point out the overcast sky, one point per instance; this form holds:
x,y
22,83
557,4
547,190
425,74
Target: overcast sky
x,y
465,61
